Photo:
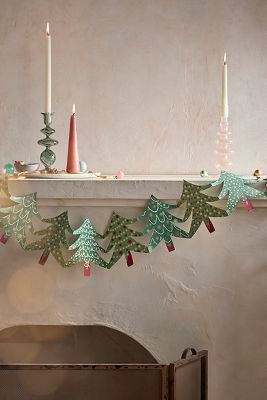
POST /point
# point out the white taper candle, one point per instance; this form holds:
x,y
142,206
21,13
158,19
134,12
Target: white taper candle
x,y
48,71
225,107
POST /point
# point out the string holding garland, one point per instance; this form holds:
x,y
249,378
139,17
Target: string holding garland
x,y
17,219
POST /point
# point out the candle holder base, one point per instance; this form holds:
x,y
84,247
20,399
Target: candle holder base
x,y
223,149
47,156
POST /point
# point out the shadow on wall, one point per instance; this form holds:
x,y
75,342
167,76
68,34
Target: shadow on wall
x,y
70,344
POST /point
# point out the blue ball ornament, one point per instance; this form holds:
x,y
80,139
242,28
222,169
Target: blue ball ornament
x,y
83,166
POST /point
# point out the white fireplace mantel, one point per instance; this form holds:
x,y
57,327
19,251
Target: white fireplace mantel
x,y
133,190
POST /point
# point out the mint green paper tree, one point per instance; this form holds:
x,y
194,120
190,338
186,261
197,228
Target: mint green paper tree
x,y
237,189
88,248
161,222
52,238
18,217
198,206
122,240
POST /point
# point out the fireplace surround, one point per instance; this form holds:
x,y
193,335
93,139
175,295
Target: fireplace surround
x,y
96,362
166,302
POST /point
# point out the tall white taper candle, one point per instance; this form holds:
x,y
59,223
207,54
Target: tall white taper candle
x,y
48,71
225,107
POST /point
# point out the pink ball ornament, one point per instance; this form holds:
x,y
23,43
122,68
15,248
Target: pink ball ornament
x,y
2,171
120,175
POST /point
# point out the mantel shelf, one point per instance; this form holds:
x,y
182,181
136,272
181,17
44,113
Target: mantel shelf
x,y
134,190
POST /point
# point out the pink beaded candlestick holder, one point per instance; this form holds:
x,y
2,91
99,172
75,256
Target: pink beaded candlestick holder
x,y
223,149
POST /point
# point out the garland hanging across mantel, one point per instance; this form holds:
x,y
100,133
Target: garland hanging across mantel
x,y
16,222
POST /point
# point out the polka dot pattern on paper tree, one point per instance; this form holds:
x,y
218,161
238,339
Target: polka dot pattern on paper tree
x,y
237,189
122,241
198,206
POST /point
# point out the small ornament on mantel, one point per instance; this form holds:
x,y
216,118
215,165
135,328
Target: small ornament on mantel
x,y
223,149
73,164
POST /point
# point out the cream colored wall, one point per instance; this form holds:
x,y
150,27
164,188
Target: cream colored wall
x,y
145,77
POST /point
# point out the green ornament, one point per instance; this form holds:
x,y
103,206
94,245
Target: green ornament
x,y
52,238
9,168
19,217
198,206
122,240
87,246
160,222
237,189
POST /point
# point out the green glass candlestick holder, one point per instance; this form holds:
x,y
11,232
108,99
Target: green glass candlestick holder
x,y
47,156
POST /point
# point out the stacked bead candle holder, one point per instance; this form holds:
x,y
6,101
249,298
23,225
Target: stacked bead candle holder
x,y
47,156
223,149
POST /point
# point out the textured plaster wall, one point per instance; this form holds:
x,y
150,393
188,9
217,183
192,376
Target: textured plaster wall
x,y
145,76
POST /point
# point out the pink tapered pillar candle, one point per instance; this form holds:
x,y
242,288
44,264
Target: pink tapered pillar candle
x,y
73,166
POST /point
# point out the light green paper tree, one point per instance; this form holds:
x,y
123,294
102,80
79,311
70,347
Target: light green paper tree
x,y
122,240
198,206
237,189
88,248
18,217
160,221
52,238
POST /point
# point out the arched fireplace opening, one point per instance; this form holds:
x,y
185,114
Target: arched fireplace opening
x,y
58,344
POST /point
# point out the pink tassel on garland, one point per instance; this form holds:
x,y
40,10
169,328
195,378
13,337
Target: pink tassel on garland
x,y
44,257
209,225
248,205
129,259
4,239
86,270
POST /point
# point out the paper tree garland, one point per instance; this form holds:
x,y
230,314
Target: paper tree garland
x,y
160,221
198,205
19,217
88,248
122,240
16,220
52,238
237,189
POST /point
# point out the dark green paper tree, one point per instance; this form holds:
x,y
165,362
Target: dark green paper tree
x,y
88,247
198,206
18,217
122,240
52,238
160,221
237,189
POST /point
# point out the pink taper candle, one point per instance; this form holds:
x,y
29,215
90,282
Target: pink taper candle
x,y
73,166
